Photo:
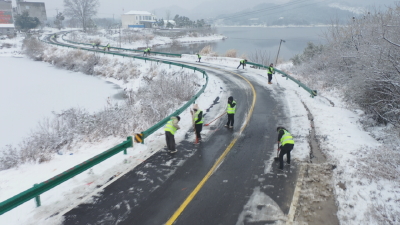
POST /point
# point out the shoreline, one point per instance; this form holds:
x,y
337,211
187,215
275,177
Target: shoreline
x,y
261,26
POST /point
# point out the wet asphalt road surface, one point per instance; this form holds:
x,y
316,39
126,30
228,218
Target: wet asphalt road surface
x,y
154,190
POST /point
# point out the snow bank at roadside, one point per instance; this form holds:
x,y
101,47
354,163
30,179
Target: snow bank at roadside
x,y
349,147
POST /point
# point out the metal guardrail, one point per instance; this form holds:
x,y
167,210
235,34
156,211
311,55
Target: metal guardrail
x,y
38,189
123,49
309,90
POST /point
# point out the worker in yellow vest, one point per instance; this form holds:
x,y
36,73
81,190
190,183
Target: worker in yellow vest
x,y
270,72
170,129
231,109
242,62
286,141
198,121
199,56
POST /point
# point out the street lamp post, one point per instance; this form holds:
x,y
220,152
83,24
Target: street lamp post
x,y
276,61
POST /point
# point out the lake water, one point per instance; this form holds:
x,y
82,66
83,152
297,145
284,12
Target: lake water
x,y
248,39
30,91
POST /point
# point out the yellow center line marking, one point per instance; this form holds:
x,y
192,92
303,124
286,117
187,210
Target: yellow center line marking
x,y
208,175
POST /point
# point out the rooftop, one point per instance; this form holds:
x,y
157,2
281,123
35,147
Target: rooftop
x,y
7,25
138,13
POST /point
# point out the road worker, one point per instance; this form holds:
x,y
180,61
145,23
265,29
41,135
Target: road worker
x,y
146,52
170,129
286,142
231,112
198,121
242,62
199,56
270,72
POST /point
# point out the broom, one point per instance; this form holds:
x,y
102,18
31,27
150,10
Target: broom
x,y
215,119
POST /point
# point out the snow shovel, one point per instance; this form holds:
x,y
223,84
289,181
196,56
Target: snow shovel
x,y
215,119
277,155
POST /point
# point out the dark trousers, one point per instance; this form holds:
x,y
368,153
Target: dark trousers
x,y
285,150
269,77
240,65
231,119
199,59
170,140
199,128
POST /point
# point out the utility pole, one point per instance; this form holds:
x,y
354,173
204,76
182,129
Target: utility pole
x,y
120,35
276,61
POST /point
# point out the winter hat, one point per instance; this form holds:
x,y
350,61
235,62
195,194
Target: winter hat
x,y
279,128
179,118
230,98
195,107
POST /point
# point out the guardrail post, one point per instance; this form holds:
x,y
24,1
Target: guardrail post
x,y
37,198
203,76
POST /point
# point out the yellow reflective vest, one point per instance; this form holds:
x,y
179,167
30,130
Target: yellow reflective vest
x,y
196,117
286,138
170,127
231,110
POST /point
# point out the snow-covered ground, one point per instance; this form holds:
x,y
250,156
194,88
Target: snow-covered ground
x,y
138,39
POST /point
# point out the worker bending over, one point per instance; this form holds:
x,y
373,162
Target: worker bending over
x,y
287,144
242,62
146,52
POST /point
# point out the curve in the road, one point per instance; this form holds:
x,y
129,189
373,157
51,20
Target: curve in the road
x,y
219,161
245,166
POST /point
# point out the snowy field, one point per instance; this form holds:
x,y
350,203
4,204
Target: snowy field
x,y
43,89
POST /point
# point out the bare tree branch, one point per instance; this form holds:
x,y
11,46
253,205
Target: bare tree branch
x,y
82,10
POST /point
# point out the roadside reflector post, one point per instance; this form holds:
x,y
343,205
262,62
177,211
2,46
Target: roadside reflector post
x,y
139,138
37,198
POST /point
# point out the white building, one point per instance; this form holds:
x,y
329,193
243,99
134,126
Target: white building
x,y
138,19
7,29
